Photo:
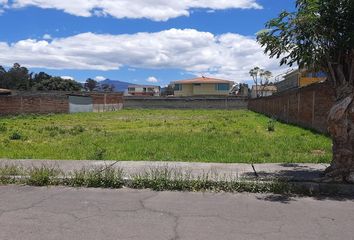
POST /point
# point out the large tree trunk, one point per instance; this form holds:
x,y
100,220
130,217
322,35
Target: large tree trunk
x,y
341,128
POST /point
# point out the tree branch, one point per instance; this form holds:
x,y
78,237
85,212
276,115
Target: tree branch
x,y
333,75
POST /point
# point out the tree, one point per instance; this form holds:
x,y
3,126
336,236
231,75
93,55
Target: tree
x,y
266,75
17,78
107,87
90,85
39,77
57,84
319,36
254,73
258,76
167,91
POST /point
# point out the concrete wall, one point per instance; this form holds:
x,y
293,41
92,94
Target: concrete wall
x,y
185,103
307,107
79,104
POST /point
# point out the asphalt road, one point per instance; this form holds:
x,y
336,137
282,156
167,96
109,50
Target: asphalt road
x,y
68,213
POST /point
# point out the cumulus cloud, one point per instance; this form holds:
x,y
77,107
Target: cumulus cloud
x,y
157,10
47,36
152,80
228,55
100,78
67,77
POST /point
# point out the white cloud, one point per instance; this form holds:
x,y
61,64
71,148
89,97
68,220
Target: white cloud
x,y
158,10
47,36
152,80
228,55
100,78
67,77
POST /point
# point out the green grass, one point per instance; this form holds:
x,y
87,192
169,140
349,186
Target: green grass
x,y
167,135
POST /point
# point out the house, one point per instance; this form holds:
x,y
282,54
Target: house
x,y
143,90
202,86
299,78
263,91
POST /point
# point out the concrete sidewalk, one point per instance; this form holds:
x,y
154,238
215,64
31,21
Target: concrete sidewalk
x,y
289,172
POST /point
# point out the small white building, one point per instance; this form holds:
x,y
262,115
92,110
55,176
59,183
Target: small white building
x,y
143,90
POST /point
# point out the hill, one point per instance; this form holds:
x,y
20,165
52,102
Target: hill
x,y
119,86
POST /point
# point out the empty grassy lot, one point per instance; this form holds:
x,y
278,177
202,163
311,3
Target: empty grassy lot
x,y
168,135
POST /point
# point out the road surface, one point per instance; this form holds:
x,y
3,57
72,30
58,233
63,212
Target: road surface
x,y
67,213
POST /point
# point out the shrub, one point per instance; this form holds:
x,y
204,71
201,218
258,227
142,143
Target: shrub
x,y
271,125
42,176
16,136
105,178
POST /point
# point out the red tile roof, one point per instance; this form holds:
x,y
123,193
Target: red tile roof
x,y
202,80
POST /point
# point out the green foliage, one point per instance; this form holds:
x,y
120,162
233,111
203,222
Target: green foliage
x,y
261,78
271,125
3,127
57,84
158,179
98,153
16,77
19,78
15,136
318,33
106,178
162,135
91,85
42,176
77,130
9,172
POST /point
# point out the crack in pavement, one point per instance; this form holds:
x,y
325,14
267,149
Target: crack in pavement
x,y
32,205
163,212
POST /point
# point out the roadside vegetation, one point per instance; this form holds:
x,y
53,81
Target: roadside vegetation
x,y
166,135
159,179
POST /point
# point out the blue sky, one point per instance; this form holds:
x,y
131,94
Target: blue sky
x,y
181,42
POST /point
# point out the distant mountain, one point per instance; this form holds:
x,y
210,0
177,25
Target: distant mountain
x,y
119,86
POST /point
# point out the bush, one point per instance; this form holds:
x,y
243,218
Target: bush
x,y
271,125
16,136
105,178
42,176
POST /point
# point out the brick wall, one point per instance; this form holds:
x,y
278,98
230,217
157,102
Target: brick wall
x,y
38,103
307,107
107,102
55,102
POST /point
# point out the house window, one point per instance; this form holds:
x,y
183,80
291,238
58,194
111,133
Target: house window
x,y
197,84
222,87
131,89
178,87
